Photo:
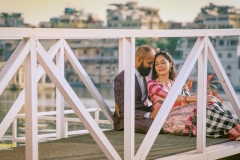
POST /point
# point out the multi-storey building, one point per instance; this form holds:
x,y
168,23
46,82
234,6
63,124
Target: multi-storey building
x,y
130,16
73,18
214,16
99,58
227,47
228,50
11,20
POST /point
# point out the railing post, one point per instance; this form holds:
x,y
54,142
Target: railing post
x,y
14,132
65,129
31,132
129,96
96,116
59,97
201,99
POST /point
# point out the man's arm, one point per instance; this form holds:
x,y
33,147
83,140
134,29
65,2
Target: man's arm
x,y
119,98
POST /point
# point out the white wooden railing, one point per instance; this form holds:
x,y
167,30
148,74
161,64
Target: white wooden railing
x,y
30,51
51,116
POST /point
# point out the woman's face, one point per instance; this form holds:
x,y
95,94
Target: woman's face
x,y
162,65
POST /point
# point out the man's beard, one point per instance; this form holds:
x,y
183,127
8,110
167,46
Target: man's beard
x,y
143,71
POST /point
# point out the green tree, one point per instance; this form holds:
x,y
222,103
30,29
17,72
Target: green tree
x,y
169,45
142,41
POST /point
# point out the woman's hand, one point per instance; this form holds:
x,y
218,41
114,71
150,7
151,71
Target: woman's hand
x,y
209,100
153,114
185,87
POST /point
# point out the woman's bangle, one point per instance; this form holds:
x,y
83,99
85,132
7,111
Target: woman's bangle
x,y
183,100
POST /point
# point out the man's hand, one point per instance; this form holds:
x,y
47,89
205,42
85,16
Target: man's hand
x,y
154,113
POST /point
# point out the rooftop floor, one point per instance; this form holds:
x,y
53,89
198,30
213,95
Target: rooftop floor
x,y
84,147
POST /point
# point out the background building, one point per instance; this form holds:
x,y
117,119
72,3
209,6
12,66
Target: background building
x,y
130,16
99,58
73,18
12,20
213,16
227,47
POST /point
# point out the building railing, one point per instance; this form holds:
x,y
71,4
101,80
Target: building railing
x,y
30,51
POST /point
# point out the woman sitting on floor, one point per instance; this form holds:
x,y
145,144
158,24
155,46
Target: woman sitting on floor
x,y
220,122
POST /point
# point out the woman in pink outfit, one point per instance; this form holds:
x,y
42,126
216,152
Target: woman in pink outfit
x,y
220,122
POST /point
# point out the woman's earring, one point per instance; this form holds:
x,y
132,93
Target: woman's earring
x,y
170,69
157,74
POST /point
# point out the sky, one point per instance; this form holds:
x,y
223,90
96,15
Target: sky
x,y
35,11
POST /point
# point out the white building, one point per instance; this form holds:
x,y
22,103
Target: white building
x,y
130,16
227,48
213,16
11,20
73,18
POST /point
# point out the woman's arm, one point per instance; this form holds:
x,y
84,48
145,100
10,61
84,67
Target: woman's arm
x,y
190,99
156,89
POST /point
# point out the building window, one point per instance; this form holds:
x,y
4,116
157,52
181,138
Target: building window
x,y
229,75
233,42
129,17
8,45
115,18
113,68
107,67
85,51
229,67
211,19
221,43
229,55
220,55
107,80
222,18
97,51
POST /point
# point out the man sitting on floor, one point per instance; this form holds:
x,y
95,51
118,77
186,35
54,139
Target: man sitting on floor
x,y
144,58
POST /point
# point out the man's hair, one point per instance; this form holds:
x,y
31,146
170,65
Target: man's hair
x,y
142,50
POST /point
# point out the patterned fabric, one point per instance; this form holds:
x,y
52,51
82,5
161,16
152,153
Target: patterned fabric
x,y
141,125
158,93
220,122
177,120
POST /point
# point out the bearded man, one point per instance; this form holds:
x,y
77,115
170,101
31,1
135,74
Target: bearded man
x,y
144,58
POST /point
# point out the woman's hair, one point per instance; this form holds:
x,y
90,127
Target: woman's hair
x,y
172,74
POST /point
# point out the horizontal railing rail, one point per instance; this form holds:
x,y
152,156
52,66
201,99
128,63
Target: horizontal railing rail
x,y
51,116
40,33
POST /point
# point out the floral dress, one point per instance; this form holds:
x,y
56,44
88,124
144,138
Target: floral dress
x,y
182,119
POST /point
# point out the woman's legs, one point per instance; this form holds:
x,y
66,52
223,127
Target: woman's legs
x,y
221,122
